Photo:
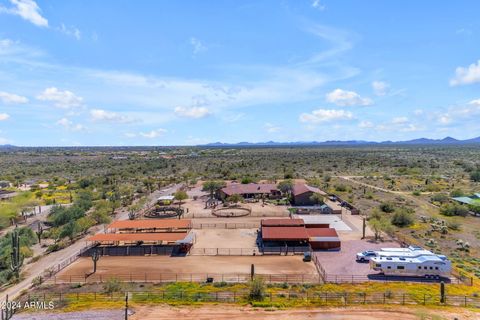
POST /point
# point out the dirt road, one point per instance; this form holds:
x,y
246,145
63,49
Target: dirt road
x,y
33,270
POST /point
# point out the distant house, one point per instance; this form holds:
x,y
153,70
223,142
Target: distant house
x,y
474,199
250,190
302,194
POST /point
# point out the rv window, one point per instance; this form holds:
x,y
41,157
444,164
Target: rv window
x,y
389,267
400,267
436,268
431,268
419,267
425,268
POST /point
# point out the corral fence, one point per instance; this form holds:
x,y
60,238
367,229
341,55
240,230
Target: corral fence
x,y
249,251
52,271
343,278
225,225
284,297
225,252
185,277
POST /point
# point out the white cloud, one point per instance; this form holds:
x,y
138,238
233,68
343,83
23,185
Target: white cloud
x,y
193,112
103,115
3,140
69,125
468,75
153,134
61,99
324,115
28,10
10,98
318,5
271,128
70,31
400,120
197,46
347,98
365,124
418,112
380,88
4,116
471,111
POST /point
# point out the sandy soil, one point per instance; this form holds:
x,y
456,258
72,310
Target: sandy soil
x,y
343,262
157,265
225,238
233,312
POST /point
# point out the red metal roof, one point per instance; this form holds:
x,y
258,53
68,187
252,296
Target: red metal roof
x,y
284,233
321,232
250,188
302,188
131,237
282,222
152,224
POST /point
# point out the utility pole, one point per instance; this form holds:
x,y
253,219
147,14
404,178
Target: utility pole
x,y
364,226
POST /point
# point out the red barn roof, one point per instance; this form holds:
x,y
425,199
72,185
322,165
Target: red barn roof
x,y
250,188
151,224
284,233
131,237
299,189
282,222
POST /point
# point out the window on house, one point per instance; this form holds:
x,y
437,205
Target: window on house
x,y
400,267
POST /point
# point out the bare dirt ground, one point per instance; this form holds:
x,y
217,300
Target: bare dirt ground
x,y
111,266
235,312
225,238
343,262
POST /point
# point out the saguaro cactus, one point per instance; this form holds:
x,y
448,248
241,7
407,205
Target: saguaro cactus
x,y
252,271
7,311
16,260
95,258
39,233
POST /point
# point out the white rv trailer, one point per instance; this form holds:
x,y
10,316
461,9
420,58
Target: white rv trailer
x,y
404,254
429,266
409,249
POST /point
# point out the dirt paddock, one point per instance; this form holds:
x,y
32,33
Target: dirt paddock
x,y
157,266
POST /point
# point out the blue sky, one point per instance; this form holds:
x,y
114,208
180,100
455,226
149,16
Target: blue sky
x,y
117,72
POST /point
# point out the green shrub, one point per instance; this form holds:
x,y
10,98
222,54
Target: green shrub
x,y
402,218
256,289
112,285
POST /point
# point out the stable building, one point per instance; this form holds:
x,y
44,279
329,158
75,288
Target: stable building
x,y
278,235
250,190
302,194
144,237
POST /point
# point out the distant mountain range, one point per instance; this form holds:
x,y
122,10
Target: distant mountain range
x,y
420,141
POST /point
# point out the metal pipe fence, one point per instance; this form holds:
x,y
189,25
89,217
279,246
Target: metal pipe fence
x,y
283,297
184,277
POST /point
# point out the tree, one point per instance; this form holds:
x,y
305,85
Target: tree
x,y
379,223
402,218
317,198
257,289
69,230
235,198
180,196
387,207
475,176
455,209
212,187
285,186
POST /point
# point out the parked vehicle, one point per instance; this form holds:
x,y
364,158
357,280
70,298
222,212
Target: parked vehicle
x,y
366,255
429,266
307,256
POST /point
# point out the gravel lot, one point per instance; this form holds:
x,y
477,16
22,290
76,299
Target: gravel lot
x,y
343,262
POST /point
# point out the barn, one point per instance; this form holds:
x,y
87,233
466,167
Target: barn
x,y
144,237
293,235
302,194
